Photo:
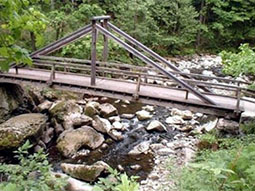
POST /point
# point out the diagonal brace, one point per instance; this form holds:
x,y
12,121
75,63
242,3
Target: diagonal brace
x,y
151,62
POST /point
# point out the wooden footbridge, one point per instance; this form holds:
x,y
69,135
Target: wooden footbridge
x,y
158,83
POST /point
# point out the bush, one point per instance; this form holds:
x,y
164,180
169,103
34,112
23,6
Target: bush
x,y
230,169
31,174
242,62
117,182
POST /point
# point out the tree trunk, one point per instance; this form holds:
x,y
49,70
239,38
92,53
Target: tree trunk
x,y
52,4
32,36
201,21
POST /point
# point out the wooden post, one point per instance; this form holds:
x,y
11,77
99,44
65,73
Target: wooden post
x,y
93,54
136,95
16,70
187,94
238,97
53,72
105,51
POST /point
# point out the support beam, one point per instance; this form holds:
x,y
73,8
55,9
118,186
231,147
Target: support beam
x,y
148,50
151,62
63,41
93,54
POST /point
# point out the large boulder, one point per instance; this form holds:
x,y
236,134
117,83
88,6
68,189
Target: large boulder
x,y
228,126
107,110
14,131
66,113
85,172
11,96
70,141
62,108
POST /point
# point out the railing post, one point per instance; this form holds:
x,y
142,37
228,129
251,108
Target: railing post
x,y
16,70
136,94
53,72
238,97
187,94
105,51
93,54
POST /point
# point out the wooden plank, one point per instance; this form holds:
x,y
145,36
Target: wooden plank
x,y
93,54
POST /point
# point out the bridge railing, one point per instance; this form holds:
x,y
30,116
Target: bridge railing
x,y
139,76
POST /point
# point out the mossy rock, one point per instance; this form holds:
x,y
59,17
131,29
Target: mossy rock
x,y
85,172
53,95
14,131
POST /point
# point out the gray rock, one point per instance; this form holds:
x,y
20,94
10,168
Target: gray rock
x,y
156,146
14,131
45,106
85,172
70,141
91,108
156,125
127,116
61,109
114,119
148,108
176,120
72,184
11,96
247,118
143,115
165,151
118,125
136,167
116,135
80,120
102,125
140,148
228,126
48,135
107,110
186,115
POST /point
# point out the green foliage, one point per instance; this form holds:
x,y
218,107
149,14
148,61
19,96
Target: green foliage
x,y
17,17
231,168
117,182
32,173
242,62
248,128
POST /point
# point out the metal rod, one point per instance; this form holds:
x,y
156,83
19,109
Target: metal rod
x,y
93,54
150,62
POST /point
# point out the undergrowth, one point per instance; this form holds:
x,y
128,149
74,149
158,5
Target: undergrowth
x,y
224,164
31,174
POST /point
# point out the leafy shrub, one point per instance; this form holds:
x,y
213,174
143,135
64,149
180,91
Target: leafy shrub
x,y
230,169
242,62
32,173
117,182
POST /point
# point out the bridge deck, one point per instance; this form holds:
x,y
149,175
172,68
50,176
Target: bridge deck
x,y
146,90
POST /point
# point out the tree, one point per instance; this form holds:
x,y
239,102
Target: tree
x,y
17,17
177,21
